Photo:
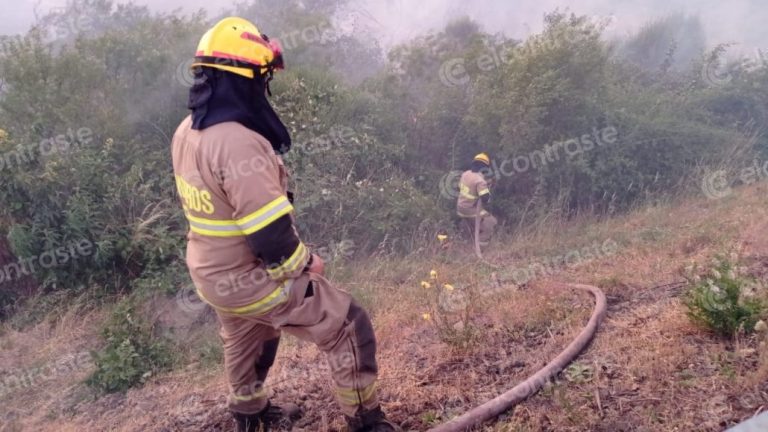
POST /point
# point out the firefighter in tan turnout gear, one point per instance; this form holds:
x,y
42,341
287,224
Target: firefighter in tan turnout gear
x,y
473,189
244,253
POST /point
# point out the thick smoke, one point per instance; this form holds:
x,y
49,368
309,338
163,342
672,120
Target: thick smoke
x,y
738,21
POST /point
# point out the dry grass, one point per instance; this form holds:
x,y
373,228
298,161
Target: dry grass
x,y
649,369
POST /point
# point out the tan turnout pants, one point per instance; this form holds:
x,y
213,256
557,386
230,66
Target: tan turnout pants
x,y
487,225
315,312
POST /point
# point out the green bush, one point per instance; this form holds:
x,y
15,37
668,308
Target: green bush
x,y
369,157
133,352
719,302
79,163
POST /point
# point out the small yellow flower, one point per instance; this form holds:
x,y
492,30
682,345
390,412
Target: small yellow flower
x,y
442,237
433,274
426,285
427,316
448,287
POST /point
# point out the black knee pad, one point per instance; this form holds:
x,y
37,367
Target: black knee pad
x,y
267,357
365,338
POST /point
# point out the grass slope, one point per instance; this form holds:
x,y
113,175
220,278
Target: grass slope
x,y
649,368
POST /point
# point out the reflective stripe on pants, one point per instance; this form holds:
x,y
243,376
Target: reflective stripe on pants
x,y
330,319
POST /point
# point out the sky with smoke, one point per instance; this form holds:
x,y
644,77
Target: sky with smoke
x,y
738,21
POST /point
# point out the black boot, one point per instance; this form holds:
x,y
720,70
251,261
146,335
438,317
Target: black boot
x,y
249,423
270,417
371,421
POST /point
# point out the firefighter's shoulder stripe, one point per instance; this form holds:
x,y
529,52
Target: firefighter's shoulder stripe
x,y
247,225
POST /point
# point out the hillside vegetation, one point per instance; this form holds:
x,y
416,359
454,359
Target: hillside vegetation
x,y
643,155
650,367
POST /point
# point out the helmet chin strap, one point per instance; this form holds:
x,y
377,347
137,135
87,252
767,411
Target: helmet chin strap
x,y
276,63
270,76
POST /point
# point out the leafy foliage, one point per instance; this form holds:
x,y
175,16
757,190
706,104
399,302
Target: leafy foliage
x,y
719,302
374,135
106,179
132,353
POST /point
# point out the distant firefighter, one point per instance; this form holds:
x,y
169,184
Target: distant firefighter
x,y
473,188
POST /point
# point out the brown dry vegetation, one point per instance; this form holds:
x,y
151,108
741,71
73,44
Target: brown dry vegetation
x,y
649,368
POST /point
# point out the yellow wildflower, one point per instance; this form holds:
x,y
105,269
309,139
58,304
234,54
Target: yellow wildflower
x,y
433,274
427,316
442,237
426,285
448,287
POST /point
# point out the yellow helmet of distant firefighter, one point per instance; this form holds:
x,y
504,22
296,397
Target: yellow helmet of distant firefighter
x,y
483,157
236,45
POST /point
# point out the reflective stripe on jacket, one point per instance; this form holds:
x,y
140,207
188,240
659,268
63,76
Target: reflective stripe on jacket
x,y
472,186
232,185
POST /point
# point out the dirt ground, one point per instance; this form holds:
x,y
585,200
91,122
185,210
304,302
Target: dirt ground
x,y
649,368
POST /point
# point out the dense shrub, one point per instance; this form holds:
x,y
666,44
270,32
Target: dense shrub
x,y
87,120
132,353
720,301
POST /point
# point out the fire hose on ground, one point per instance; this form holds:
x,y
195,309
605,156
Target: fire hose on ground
x,y
504,402
530,386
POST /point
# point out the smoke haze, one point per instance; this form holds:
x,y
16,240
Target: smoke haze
x,y
739,21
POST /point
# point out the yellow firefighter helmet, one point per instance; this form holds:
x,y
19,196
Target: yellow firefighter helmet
x,y
236,45
482,157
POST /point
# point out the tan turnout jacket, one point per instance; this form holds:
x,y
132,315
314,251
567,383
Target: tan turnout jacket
x,y
472,186
232,184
